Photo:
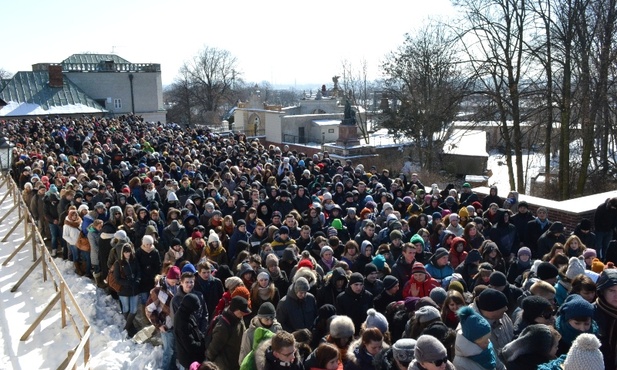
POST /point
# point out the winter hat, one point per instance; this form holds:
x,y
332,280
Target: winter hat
x,y
241,291
417,239
410,303
325,249
534,306
233,282
491,300
453,217
418,267
576,267
147,239
473,256
327,196
438,295
355,278
266,311
213,237
337,224
524,251
369,268
196,235
458,286
403,350
436,216
463,212
341,327
284,230
272,260
396,234
239,303
365,244
534,339
263,276
83,207
305,263
589,253
389,282
547,270
585,224
497,279
175,241
556,227
440,252
301,285
388,205
120,235
379,261
429,349
189,268
473,325
173,273
375,319
576,306
427,313
584,354
607,279
597,266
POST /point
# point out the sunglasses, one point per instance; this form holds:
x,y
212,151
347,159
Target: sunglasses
x,y
548,314
440,362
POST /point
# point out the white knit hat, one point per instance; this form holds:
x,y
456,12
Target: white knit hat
x,y
584,354
213,237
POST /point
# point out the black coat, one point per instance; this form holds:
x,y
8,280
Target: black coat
x,y
150,266
128,275
354,305
190,342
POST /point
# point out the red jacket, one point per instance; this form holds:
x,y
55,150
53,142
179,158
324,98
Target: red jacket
x,y
424,288
455,257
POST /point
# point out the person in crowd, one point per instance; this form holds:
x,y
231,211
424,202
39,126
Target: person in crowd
x,y
574,317
355,300
209,286
534,310
128,274
492,305
298,309
536,345
224,348
266,319
190,340
606,315
474,348
430,354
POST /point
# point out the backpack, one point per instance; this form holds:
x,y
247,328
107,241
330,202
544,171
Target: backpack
x,y
208,336
111,279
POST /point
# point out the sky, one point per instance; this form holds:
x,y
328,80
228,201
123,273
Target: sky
x,y
283,42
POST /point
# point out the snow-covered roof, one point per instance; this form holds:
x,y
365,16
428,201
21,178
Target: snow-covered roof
x,y
326,122
466,142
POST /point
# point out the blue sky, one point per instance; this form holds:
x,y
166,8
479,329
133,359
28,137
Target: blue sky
x,y
283,42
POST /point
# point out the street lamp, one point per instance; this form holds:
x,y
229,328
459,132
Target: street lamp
x,y
6,154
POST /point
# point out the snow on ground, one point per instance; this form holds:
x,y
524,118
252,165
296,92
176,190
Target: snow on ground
x,y
48,345
534,163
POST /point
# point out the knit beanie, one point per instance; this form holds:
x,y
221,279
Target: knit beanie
x,y
196,235
534,339
375,319
389,282
427,313
232,282
534,306
356,277
213,237
491,300
266,311
497,279
440,252
473,256
305,263
524,251
263,276
301,285
607,279
325,249
369,268
429,349
418,267
272,260
337,224
584,354
120,235
284,230
190,268
410,303
403,350
173,273
243,292
576,267
396,234
175,242
438,295
576,306
147,239
341,327
473,325
463,212
458,286
547,270
597,266
379,261
589,253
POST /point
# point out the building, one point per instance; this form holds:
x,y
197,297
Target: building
x,y
98,84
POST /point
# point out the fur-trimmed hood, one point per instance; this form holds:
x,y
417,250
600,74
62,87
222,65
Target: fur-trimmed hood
x,y
307,273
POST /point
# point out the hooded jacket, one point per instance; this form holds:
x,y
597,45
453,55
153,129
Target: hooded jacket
x,y
190,343
253,337
464,349
504,235
295,314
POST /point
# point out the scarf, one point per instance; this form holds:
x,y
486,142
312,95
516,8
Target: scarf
x,y
214,252
542,224
178,254
611,318
568,333
264,293
150,194
486,358
329,263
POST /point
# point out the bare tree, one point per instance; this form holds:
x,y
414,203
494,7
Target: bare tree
x,y
356,90
4,74
424,75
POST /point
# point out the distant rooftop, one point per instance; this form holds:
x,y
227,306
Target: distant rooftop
x,y
94,58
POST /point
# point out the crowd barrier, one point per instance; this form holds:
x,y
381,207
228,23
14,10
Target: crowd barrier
x,y
70,309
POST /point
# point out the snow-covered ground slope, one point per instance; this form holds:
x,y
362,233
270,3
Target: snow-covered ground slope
x,y
49,344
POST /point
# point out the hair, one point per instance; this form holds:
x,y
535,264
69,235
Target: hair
x,y
351,244
128,248
540,287
282,339
581,246
452,296
372,335
423,232
468,227
408,245
547,257
582,282
186,275
559,260
203,264
97,222
324,353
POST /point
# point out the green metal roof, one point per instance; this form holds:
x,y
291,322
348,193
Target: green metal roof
x,y
94,58
29,93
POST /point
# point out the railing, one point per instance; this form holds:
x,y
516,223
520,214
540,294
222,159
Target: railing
x,y
111,67
50,270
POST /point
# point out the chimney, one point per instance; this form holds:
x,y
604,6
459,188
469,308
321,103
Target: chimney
x,y
56,79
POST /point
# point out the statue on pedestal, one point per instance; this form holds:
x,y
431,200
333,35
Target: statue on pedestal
x,y
349,117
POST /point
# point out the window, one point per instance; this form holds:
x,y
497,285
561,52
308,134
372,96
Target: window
x,y
117,104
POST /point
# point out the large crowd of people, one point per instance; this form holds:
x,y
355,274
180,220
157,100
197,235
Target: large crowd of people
x,y
245,256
